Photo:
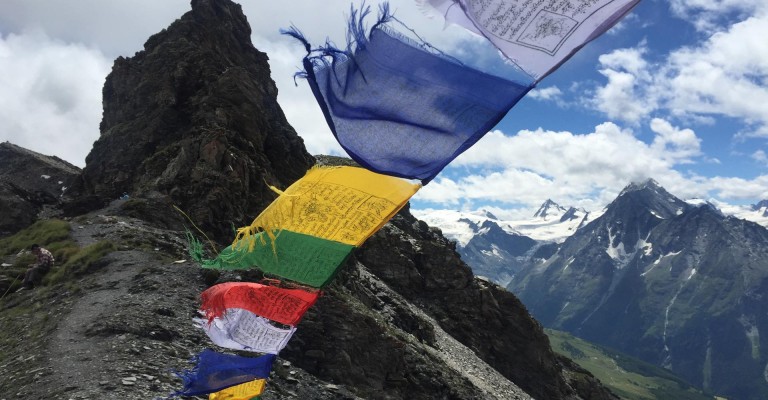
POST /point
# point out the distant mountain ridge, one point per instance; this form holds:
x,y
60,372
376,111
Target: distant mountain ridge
x,y
497,249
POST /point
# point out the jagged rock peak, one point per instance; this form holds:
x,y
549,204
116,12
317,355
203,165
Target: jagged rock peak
x,y
222,17
547,208
651,196
569,215
488,214
487,224
483,213
649,183
762,204
194,119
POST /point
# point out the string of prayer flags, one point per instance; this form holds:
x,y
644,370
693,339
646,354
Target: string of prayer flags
x,y
215,371
241,329
308,232
285,306
536,35
246,391
397,108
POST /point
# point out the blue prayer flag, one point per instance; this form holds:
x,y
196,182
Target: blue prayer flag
x,y
214,371
398,109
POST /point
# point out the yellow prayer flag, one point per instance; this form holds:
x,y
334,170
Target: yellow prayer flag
x,y
342,204
244,391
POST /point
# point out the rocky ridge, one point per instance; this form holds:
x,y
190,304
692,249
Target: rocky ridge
x,y
29,182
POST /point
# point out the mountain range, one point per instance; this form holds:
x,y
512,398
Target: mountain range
x,y
498,249
678,284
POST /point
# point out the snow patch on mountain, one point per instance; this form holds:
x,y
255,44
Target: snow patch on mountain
x,y
658,261
568,264
620,254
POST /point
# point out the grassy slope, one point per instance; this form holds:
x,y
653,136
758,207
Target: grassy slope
x,y
627,377
28,320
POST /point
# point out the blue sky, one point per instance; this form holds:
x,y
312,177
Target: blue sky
x,y
676,92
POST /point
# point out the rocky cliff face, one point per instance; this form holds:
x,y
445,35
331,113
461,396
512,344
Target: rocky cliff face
x,y
423,266
28,182
194,118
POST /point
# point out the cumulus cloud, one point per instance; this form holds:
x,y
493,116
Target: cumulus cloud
x,y
675,145
760,157
725,76
623,97
551,93
51,100
115,27
738,188
707,15
534,165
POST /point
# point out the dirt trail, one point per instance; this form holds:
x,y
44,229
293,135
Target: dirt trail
x,y
123,328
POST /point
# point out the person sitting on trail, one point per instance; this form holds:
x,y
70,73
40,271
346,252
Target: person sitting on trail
x,y
36,271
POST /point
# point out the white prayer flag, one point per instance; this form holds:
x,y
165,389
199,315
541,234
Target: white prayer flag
x,y
536,35
240,329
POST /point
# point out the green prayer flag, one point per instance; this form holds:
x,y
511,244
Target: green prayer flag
x,y
295,256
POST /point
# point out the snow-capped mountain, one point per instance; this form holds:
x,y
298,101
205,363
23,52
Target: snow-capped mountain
x,y
680,285
550,210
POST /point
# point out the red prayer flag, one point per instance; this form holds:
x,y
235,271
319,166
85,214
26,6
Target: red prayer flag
x,y
285,306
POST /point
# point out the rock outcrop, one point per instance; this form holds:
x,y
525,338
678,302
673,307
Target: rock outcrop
x,y
29,181
194,118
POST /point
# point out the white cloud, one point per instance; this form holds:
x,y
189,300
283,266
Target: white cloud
x,y
551,93
51,100
706,15
739,188
534,165
115,27
624,96
760,157
673,144
725,76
